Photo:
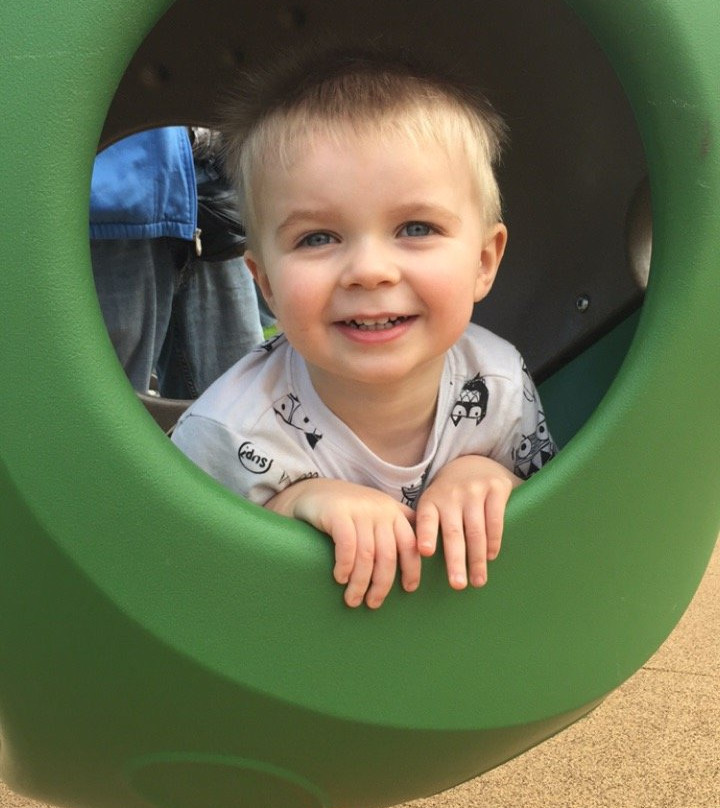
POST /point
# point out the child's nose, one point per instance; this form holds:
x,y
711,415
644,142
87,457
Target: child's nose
x,y
369,265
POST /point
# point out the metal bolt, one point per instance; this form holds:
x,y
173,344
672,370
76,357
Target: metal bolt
x,y
582,304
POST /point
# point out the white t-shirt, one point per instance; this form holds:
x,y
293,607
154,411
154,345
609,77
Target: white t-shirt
x,y
262,427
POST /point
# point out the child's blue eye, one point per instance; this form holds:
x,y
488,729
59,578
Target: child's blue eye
x,y
316,240
416,229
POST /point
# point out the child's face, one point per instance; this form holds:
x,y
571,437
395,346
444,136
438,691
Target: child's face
x,y
372,256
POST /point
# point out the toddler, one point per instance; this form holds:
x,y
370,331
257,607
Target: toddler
x,y
380,414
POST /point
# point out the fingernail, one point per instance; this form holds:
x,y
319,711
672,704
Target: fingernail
x,y
458,581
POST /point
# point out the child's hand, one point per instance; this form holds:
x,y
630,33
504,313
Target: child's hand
x,y
466,501
371,531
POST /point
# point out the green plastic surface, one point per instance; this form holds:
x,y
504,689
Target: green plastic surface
x,y
162,641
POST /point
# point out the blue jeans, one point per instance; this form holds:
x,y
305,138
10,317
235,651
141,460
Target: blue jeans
x,y
171,313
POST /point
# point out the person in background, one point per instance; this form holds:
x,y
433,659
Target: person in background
x,y
177,302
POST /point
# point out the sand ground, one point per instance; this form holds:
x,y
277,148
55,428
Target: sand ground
x,y
654,743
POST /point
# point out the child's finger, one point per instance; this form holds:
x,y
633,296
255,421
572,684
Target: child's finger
x,y
427,527
362,571
494,519
384,565
343,534
408,555
453,537
476,541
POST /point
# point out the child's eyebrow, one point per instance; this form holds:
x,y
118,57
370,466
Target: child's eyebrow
x,y
301,217
424,210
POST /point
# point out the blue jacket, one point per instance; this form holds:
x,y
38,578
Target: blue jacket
x,y
144,187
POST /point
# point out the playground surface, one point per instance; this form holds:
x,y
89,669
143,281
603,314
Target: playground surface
x,y
653,743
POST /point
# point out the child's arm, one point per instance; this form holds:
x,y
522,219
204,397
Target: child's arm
x,y
371,532
466,502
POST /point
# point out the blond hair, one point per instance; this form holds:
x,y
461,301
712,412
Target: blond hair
x,y
275,113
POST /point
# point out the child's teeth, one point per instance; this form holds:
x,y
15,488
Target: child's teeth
x,y
375,325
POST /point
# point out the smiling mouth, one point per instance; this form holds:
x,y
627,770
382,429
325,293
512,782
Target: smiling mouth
x,y
376,325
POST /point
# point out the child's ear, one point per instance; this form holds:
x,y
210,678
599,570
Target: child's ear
x,y
259,276
490,257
